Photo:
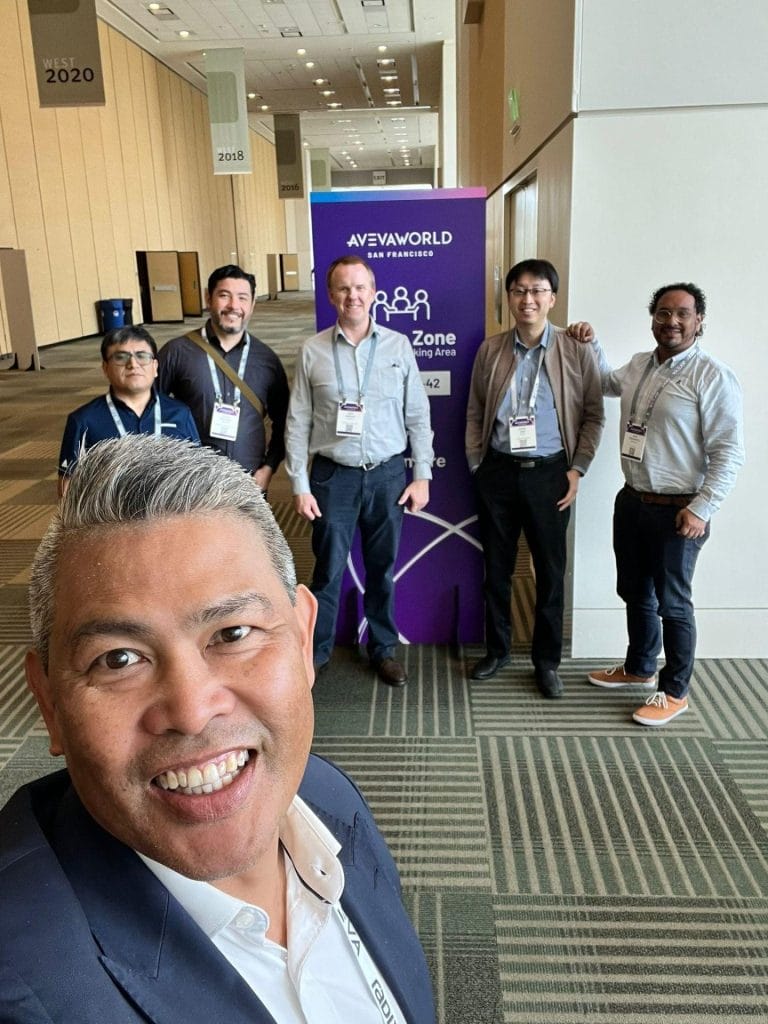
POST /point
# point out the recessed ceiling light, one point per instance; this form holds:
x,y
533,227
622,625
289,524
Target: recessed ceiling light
x,y
392,91
386,62
333,106
309,64
184,34
154,7
265,106
394,103
382,49
388,78
320,81
251,95
328,92
301,52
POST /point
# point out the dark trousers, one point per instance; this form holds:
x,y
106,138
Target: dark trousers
x,y
654,576
349,498
512,498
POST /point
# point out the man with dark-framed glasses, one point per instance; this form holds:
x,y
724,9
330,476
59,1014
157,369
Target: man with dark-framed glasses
x,y
681,446
132,405
534,421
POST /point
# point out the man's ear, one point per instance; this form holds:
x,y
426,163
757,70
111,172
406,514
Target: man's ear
x,y
40,685
306,614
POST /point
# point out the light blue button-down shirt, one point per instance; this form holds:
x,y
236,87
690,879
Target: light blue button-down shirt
x,y
548,440
695,442
395,403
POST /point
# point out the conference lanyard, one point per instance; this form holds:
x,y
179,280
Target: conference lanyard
x,y
390,1012
362,389
240,371
121,431
657,393
513,397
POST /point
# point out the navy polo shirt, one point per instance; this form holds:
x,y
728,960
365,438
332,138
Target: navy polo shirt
x,y
93,422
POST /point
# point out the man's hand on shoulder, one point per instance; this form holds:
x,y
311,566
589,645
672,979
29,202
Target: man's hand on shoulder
x,y
689,525
415,495
581,331
307,507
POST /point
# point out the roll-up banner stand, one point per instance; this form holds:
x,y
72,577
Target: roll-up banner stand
x,y
427,251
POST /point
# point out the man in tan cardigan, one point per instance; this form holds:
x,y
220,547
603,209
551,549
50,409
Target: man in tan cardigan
x,y
534,420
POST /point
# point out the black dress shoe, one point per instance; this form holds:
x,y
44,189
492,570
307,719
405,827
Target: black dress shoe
x,y
488,666
549,682
391,672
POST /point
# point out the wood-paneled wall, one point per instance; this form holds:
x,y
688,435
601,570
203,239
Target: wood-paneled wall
x,y
82,189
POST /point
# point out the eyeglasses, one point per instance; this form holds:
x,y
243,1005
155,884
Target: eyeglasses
x,y
519,292
663,316
123,358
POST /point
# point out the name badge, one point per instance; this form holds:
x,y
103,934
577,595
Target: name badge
x,y
349,419
633,444
225,421
522,433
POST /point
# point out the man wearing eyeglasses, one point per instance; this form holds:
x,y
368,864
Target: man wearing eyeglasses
x,y
534,421
131,406
681,446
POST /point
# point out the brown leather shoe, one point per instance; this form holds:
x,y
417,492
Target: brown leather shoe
x,y
391,672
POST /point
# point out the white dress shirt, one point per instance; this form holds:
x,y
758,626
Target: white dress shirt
x,y
694,443
318,978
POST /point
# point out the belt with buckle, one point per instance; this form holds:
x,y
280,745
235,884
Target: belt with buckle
x,y
649,498
520,462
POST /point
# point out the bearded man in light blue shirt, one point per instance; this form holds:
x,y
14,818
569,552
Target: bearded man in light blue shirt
x,y
681,446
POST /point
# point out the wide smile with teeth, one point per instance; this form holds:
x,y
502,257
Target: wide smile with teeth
x,y
205,778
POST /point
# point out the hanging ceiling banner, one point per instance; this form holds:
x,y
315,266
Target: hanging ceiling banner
x,y
65,44
227,111
288,153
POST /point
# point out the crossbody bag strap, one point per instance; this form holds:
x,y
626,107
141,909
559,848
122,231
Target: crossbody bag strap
x,y
197,338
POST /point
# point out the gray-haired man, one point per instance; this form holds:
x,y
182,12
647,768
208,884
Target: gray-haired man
x,y
173,873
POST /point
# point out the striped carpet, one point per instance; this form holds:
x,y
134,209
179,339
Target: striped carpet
x,y
560,863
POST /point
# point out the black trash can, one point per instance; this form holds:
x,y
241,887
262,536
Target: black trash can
x,y
127,312
110,314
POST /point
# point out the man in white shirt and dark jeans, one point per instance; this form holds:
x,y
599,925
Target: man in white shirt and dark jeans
x,y
681,446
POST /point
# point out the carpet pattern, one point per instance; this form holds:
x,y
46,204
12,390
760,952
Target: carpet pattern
x,y
560,863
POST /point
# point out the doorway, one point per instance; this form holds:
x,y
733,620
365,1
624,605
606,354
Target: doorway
x,y
189,279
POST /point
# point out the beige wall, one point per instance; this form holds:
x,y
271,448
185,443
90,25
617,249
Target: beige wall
x,y
515,46
82,189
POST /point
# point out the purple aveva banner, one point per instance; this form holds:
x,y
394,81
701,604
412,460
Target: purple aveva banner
x,y
427,251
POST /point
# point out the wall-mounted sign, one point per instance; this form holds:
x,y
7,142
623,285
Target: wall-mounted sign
x,y
65,43
379,177
227,111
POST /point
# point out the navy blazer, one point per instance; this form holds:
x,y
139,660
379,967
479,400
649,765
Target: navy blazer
x,y
88,935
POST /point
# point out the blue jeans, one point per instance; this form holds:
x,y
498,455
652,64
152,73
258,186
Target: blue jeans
x,y
348,498
654,575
